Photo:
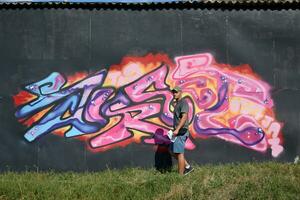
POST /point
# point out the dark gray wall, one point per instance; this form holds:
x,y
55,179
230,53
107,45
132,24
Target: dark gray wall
x,y
35,43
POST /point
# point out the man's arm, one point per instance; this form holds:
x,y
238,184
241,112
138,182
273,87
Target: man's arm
x,y
181,123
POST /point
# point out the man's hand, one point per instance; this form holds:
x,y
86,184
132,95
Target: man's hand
x,y
175,132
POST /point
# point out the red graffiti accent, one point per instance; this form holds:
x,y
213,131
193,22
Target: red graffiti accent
x,y
148,62
76,77
23,97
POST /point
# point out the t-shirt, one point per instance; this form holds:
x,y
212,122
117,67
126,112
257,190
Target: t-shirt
x,y
180,108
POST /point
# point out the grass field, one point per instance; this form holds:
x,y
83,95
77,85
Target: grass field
x,y
268,180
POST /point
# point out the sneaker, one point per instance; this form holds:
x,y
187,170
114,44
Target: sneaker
x,y
188,170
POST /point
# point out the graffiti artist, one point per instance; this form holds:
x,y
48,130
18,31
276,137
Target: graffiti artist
x,y
180,125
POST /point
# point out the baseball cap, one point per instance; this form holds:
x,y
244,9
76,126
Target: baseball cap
x,y
176,89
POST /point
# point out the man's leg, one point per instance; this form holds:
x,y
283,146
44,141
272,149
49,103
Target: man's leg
x,y
186,164
181,163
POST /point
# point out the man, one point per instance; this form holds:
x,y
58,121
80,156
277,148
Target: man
x,y
180,125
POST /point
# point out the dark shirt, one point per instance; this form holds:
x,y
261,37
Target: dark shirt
x,y
180,108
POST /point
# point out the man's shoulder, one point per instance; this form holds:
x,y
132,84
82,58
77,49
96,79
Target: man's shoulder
x,y
183,101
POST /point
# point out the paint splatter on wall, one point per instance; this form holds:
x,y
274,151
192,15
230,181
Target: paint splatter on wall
x,y
132,102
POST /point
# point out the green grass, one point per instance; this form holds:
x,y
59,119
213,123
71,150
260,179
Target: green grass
x,y
269,180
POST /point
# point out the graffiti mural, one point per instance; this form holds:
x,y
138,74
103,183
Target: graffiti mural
x,y
132,102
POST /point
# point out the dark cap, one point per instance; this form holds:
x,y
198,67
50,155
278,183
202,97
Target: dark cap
x,y
176,89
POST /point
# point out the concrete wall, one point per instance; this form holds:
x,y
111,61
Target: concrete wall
x,y
90,89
